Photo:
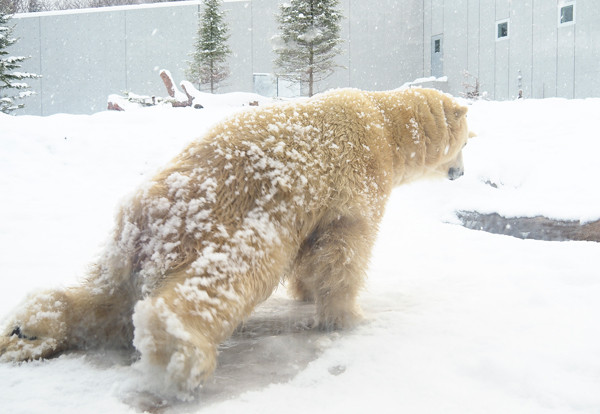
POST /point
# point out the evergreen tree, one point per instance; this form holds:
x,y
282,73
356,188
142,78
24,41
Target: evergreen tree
x,y
10,80
209,65
309,40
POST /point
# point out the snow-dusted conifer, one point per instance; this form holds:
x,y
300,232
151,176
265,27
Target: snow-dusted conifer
x,y
12,86
209,60
308,41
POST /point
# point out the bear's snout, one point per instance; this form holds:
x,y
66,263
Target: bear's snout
x,y
456,169
455,172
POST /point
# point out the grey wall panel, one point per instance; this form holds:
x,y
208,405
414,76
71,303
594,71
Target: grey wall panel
x,y
501,69
263,28
377,54
521,52
544,49
456,37
427,34
502,52
27,31
502,9
565,61
82,60
410,41
437,16
473,46
157,38
587,49
239,15
487,47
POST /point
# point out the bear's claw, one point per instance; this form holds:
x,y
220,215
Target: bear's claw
x,y
17,346
17,331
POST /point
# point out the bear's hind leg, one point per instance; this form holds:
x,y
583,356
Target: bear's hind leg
x,y
178,329
39,329
80,317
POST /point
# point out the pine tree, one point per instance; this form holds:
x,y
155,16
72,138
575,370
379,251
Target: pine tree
x,y
209,65
11,80
309,40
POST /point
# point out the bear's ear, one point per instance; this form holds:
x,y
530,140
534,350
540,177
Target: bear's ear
x,y
460,111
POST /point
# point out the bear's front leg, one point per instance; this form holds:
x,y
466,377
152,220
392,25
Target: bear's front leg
x,y
330,269
37,330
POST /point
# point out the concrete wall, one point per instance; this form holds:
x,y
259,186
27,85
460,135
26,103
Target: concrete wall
x,y
381,50
86,55
385,44
540,57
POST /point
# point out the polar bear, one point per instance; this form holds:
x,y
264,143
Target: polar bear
x,y
292,191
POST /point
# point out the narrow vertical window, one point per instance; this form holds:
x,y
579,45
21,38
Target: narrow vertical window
x,y
566,13
502,29
437,46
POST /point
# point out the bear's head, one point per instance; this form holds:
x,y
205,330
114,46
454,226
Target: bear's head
x,y
429,130
450,161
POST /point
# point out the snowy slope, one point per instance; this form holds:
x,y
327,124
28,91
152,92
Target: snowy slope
x,y
457,321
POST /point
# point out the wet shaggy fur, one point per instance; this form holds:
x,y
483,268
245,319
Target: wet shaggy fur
x,y
293,192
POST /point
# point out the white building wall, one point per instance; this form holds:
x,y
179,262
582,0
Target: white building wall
x,y
487,47
502,51
544,49
86,55
456,42
385,43
587,49
521,49
473,36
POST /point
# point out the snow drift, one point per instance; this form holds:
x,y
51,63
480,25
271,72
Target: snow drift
x,y
458,321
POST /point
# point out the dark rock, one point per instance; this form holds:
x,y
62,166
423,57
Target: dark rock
x,y
538,228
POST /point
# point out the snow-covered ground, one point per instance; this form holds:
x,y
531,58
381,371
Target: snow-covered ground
x,y
457,321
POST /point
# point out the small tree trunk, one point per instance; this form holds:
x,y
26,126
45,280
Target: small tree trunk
x,y
310,77
212,77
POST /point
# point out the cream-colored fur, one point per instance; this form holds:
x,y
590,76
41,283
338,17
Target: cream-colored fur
x,y
294,191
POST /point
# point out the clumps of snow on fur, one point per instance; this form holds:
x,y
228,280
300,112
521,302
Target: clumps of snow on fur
x,y
286,158
413,128
147,315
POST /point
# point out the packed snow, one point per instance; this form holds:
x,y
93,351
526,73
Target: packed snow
x,y
456,321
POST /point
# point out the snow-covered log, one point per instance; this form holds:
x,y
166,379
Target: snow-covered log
x,y
179,99
189,97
